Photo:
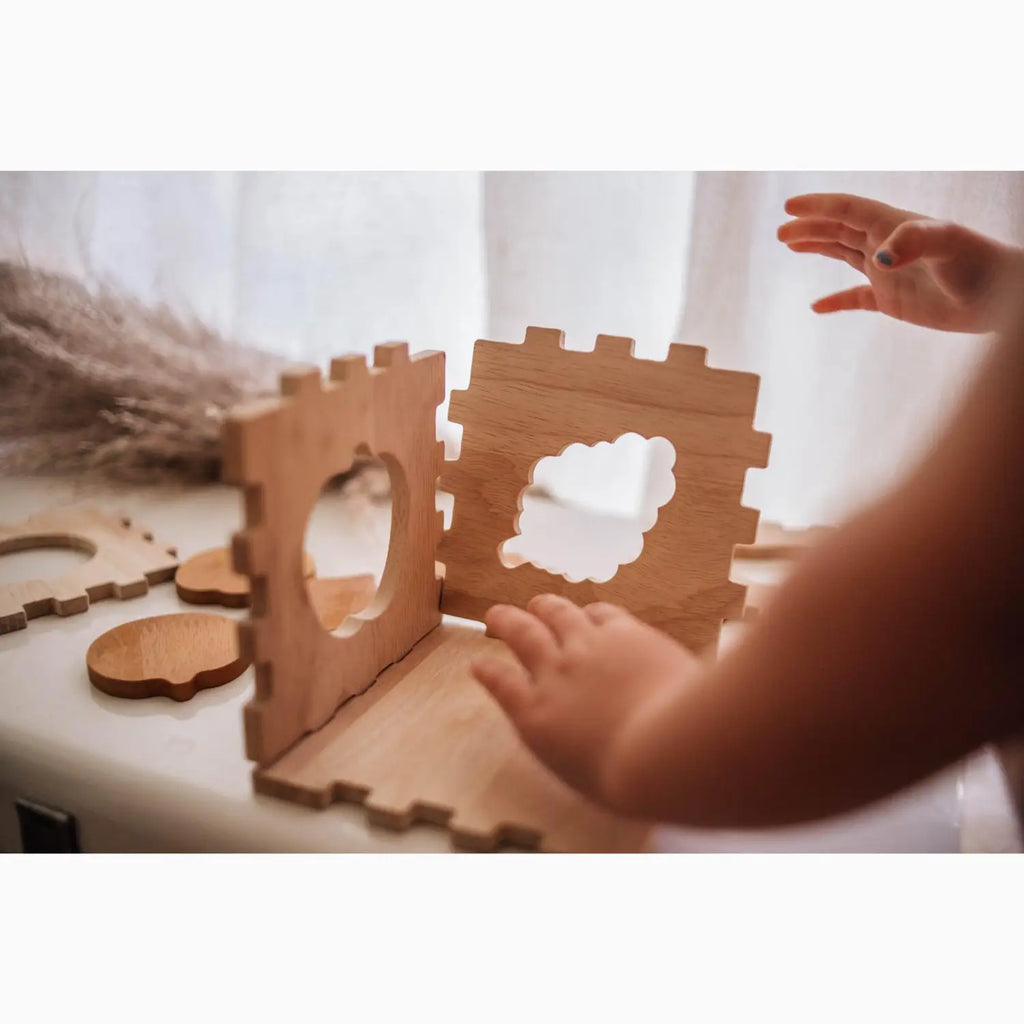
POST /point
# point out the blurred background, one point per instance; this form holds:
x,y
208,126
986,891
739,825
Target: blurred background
x,y
312,265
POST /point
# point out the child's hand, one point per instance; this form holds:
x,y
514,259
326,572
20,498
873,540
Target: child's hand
x,y
582,676
924,271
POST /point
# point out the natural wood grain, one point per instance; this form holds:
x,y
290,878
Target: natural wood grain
x,y
124,562
426,743
208,578
167,655
282,452
336,599
530,400
775,541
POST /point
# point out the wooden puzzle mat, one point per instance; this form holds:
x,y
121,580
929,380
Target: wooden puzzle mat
x,y
427,743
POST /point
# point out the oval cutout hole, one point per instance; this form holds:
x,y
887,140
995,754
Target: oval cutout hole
x,y
347,535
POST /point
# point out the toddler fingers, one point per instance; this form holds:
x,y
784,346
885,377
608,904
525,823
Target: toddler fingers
x,y
531,641
833,250
853,298
821,229
508,684
562,617
922,239
601,612
856,211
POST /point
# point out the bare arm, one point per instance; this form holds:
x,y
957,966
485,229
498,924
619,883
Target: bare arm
x,y
895,649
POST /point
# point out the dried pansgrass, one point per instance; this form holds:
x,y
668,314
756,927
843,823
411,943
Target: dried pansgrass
x,y
96,383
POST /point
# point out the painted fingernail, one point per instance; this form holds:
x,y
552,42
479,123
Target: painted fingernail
x,y
885,258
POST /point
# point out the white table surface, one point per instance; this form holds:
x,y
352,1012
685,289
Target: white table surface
x,y
156,775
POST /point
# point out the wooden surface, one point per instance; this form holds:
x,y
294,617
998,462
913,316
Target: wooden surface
x,y
336,599
208,578
167,655
530,400
124,562
282,452
426,743
775,541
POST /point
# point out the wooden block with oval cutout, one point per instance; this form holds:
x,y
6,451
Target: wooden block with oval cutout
x,y
125,561
166,656
385,712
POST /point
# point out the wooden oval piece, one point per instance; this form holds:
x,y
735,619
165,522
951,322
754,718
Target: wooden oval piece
x,y
208,578
166,656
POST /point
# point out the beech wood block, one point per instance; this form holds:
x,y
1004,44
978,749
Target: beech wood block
x,y
427,743
124,562
166,656
534,399
208,578
281,452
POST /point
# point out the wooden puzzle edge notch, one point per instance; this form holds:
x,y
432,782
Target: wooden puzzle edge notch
x,y
124,562
290,726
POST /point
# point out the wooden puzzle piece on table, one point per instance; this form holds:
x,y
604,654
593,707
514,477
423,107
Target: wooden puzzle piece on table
x,y
424,741
208,578
124,562
166,656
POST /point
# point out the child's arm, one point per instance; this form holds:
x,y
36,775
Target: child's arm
x,y
921,270
896,648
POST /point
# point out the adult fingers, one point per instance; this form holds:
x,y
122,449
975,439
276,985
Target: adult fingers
x,y
508,684
853,298
856,211
601,612
564,618
531,641
821,229
833,250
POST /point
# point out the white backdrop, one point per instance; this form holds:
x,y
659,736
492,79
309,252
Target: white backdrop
x,y
313,265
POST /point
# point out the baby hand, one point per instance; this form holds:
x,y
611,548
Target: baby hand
x,y
582,677
923,271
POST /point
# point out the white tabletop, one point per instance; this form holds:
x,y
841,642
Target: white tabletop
x,y
156,775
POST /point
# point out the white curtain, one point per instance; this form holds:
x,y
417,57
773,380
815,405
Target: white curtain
x,y
313,265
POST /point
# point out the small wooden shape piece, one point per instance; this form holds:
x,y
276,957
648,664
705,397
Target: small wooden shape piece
x,y
166,656
281,452
530,400
125,561
427,743
334,600
775,541
208,578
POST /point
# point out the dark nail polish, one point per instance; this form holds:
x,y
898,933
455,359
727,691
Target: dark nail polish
x,y
885,258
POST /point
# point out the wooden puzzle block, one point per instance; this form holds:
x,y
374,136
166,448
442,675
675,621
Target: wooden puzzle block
x,y
384,710
282,451
124,562
531,400
427,743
